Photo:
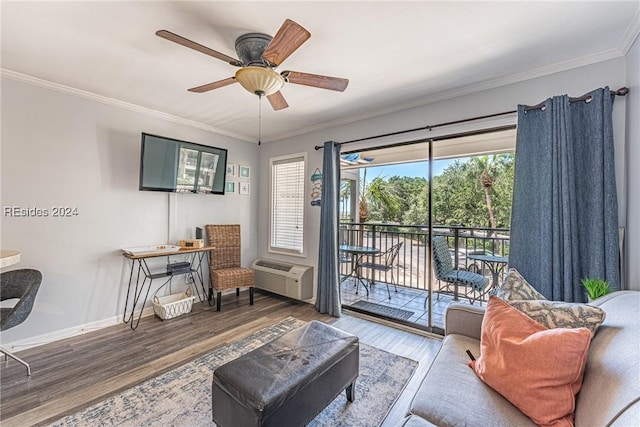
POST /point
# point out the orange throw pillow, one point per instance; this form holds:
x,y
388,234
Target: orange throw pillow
x,y
537,369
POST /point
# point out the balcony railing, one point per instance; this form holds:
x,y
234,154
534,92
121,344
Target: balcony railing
x,y
410,268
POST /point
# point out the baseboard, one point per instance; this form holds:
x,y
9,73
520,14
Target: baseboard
x,y
68,333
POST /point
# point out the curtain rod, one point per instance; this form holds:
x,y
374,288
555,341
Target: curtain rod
x,y
623,91
435,139
428,127
620,92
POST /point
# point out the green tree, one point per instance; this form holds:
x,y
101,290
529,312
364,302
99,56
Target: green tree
x,y
413,192
379,199
473,193
456,200
415,203
345,196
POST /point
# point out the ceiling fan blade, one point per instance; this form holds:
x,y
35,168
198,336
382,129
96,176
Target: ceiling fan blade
x,y
289,37
316,80
277,101
214,85
196,46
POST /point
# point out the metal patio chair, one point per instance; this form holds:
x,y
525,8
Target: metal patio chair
x,y
382,262
477,284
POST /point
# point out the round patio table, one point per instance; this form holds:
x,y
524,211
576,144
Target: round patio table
x,y
355,252
494,263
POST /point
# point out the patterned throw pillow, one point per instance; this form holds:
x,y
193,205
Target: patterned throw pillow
x,y
558,314
515,287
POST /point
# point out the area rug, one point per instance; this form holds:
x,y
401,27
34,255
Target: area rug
x,y
182,396
383,310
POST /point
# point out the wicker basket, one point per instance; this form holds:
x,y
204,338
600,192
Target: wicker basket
x,y
173,305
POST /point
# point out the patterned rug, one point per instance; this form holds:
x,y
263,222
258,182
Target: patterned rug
x,y
383,310
182,396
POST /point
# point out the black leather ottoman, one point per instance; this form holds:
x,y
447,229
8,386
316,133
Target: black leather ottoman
x,y
288,381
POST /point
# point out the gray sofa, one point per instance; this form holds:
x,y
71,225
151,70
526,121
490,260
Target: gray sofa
x,y
452,395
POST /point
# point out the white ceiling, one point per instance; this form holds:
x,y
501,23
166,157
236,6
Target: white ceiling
x,y
395,54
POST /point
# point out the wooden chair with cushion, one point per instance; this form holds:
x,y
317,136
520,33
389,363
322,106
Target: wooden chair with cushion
x,y
226,272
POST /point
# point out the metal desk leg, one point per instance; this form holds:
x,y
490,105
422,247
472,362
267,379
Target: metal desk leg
x,y
196,267
135,291
138,291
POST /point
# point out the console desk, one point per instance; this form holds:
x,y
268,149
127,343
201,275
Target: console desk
x,y
196,257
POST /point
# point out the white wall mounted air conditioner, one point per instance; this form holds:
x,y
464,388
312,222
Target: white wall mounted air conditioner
x,y
291,280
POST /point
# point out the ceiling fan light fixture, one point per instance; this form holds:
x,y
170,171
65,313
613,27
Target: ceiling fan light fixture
x,y
259,80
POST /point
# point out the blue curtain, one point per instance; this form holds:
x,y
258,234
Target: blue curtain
x,y
564,224
328,296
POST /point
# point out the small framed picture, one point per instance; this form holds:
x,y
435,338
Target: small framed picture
x,y
245,188
232,169
231,187
245,172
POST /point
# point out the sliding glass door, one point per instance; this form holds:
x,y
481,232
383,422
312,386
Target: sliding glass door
x,y
391,209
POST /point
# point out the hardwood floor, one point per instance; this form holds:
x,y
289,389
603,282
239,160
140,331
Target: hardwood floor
x,y
71,374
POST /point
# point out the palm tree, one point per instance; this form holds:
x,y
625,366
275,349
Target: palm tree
x,y
379,195
481,167
345,194
485,168
363,208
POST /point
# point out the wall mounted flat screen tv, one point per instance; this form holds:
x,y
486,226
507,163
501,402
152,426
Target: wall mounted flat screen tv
x,y
168,164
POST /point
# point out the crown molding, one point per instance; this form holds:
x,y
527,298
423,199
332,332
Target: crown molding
x,y
631,34
34,81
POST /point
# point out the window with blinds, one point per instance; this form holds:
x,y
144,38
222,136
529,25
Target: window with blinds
x,y
287,204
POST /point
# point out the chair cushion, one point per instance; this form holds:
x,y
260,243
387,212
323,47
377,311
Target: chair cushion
x,y
231,278
467,278
441,257
537,369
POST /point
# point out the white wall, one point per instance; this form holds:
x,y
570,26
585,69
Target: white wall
x,y
64,150
311,213
633,169
574,82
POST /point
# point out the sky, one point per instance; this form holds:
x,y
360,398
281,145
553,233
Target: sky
x,y
410,169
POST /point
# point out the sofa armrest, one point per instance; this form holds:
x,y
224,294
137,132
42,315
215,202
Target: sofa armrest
x,y
464,320
416,421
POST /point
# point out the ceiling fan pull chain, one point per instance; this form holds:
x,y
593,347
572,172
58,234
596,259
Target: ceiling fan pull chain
x,y
259,119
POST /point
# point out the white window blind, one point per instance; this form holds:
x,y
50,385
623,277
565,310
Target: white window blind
x,y
287,204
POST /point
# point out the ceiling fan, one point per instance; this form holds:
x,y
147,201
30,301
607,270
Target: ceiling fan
x,y
259,55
